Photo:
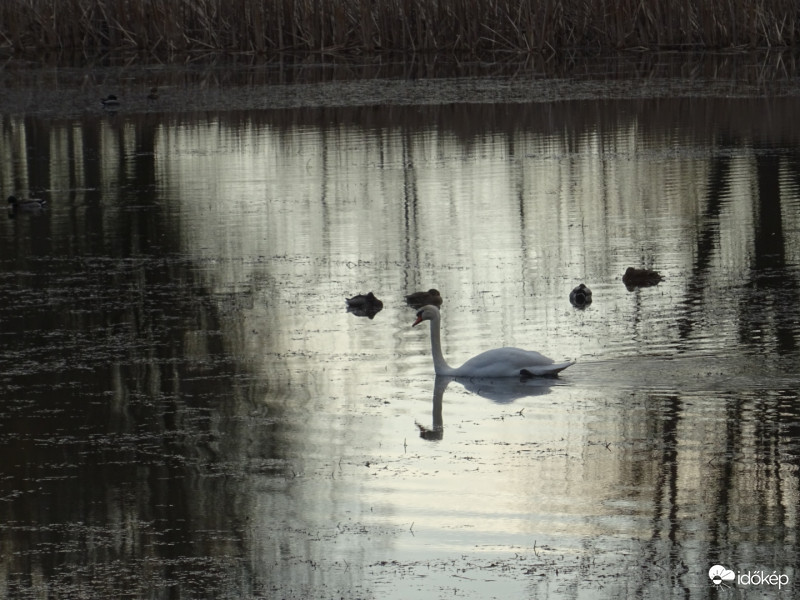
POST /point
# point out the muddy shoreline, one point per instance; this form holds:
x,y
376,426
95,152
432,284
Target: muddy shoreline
x,y
47,91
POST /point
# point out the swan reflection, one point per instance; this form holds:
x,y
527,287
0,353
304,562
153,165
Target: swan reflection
x,y
498,390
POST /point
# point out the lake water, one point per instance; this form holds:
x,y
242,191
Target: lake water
x,y
187,409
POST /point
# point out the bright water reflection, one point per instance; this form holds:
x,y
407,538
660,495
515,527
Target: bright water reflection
x,y
188,410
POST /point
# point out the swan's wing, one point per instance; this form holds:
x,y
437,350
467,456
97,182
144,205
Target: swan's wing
x,y
506,362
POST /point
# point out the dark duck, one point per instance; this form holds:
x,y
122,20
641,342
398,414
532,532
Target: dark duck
x,y
364,305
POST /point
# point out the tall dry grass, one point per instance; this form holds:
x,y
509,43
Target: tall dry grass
x,y
360,26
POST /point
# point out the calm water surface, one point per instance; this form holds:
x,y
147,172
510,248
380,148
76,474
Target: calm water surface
x,y
187,409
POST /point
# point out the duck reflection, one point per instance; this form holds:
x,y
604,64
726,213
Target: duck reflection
x,y
499,390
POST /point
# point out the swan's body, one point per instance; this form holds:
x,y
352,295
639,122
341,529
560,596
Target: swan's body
x,y
500,362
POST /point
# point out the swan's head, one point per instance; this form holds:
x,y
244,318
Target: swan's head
x,y
426,313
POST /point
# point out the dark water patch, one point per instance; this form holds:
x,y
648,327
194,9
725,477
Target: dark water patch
x,y
146,577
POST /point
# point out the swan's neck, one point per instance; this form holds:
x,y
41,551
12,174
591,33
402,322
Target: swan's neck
x,y
440,365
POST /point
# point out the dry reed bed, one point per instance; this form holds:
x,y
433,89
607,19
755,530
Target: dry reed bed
x,y
353,26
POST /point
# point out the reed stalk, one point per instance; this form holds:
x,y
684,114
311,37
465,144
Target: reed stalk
x,y
359,26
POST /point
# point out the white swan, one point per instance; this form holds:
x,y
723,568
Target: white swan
x,y
500,362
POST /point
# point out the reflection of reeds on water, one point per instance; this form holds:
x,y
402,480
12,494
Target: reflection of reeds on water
x,y
395,25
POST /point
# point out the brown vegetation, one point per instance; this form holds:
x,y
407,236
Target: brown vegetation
x,y
358,26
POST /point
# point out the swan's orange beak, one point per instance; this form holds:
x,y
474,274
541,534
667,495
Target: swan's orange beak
x,y
418,321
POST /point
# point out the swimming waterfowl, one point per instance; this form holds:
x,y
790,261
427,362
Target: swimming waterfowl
x,y
110,101
500,362
420,299
581,296
364,300
640,278
153,95
364,305
31,205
